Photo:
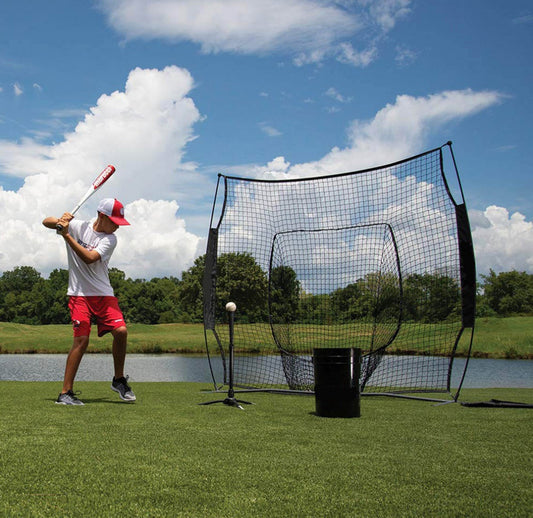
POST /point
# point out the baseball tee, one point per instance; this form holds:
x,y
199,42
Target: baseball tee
x,y
89,280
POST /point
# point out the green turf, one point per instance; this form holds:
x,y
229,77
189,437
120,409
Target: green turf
x,y
168,456
493,338
510,337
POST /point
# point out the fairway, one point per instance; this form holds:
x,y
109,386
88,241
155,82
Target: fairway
x,y
493,338
167,456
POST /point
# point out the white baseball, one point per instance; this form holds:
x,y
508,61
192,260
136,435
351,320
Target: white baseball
x,y
231,306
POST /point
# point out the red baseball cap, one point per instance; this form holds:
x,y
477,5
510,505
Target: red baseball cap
x,y
114,210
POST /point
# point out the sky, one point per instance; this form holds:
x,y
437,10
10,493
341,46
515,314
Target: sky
x,y
174,92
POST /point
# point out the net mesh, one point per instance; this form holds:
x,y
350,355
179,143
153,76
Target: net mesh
x,y
370,259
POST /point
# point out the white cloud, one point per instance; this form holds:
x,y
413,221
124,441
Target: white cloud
x,y
386,13
402,129
269,130
334,94
523,19
68,112
502,242
397,131
232,25
359,58
17,89
405,56
24,158
157,242
508,147
308,30
333,214
143,131
279,164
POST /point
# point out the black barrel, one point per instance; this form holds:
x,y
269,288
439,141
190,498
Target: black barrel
x,y
337,373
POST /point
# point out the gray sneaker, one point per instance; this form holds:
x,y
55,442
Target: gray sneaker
x,y
121,386
68,398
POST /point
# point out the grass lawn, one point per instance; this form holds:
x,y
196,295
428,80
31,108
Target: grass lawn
x,y
493,338
510,337
174,338
167,456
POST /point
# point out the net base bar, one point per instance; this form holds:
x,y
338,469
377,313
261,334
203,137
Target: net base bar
x,y
370,394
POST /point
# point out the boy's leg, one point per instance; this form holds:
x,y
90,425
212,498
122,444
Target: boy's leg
x,y
81,319
111,320
73,361
120,383
120,343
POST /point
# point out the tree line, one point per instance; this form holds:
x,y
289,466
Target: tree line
x,y
28,298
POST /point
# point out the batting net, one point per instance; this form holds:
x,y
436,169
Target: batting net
x,y
380,259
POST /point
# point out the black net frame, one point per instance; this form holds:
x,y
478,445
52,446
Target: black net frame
x,y
292,252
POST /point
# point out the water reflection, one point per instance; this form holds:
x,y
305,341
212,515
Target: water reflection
x,y
481,373
99,367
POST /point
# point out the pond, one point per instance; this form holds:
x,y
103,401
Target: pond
x,y
481,373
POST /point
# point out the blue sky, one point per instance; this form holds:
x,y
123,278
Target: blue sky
x,y
270,87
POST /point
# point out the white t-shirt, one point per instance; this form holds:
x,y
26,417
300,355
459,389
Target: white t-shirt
x,y
89,279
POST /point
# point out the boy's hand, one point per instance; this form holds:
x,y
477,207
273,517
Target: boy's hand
x,y
62,224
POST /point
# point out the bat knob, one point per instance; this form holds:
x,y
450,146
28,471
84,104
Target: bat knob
x,y
59,228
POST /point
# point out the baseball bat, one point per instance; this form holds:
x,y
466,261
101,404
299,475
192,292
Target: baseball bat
x,y
100,180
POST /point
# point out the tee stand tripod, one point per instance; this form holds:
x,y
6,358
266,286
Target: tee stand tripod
x,y
230,400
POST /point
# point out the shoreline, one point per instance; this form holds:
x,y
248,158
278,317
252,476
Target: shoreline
x,y
194,352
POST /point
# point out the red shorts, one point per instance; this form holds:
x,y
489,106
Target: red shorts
x,y
103,310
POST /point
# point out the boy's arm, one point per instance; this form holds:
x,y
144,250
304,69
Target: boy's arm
x,y
51,221
87,256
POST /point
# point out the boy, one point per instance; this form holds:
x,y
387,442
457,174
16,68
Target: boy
x,y
89,248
